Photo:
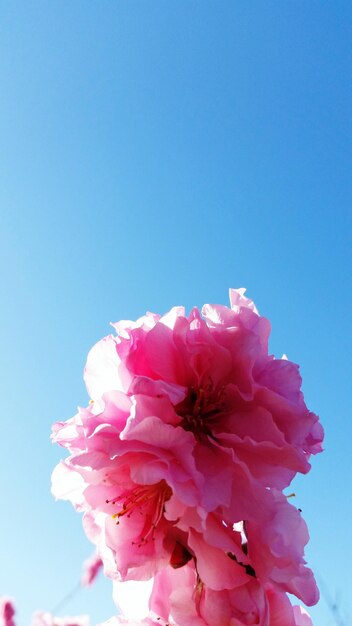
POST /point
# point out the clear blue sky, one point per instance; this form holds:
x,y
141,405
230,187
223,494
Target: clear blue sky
x,y
155,153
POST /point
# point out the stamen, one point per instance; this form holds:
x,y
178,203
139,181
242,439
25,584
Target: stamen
x,y
199,409
136,499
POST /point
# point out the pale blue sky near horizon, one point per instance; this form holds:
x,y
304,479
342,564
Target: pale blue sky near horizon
x,y
157,153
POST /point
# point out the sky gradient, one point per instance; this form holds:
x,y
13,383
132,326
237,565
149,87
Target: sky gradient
x,y
157,153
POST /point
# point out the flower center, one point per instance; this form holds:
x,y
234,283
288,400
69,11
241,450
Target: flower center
x,y
199,410
148,500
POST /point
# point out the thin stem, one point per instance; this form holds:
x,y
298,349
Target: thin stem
x,y
334,609
67,598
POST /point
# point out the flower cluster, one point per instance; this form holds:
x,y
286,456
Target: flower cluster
x,y
40,618
179,464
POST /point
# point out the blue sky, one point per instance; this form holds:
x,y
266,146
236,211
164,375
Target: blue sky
x,y
156,153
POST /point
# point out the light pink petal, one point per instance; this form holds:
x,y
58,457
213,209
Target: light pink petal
x,y
91,569
302,617
68,485
132,597
101,373
239,300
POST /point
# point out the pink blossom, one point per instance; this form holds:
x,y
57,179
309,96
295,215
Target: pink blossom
x,y
193,427
91,569
181,597
40,618
154,526
215,371
130,489
7,612
275,536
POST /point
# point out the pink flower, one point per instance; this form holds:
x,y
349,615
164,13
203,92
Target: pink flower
x,y
40,618
129,486
193,427
181,597
7,612
239,403
91,569
274,536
